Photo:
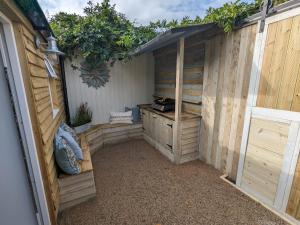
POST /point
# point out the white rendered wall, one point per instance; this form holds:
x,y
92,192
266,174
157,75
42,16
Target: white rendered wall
x,y
130,84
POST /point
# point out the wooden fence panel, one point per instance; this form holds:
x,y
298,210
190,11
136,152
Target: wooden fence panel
x,y
41,106
280,75
225,88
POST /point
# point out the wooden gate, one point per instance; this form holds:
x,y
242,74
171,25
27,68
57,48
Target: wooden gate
x,y
271,138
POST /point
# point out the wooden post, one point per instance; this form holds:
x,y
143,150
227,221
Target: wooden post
x,y
178,100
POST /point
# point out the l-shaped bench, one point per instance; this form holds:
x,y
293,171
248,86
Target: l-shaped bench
x,y
75,189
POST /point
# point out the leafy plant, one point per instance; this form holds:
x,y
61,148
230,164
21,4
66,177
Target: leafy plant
x,y
103,35
83,115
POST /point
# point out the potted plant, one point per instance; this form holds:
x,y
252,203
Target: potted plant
x,y
83,118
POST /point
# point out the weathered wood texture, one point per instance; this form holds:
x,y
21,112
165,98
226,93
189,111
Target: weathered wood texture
x,y
227,68
105,134
159,132
165,73
189,136
280,74
38,88
264,157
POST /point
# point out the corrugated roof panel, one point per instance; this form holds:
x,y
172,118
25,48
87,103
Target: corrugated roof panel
x,y
172,35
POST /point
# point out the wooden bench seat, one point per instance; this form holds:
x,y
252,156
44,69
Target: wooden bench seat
x,y
75,189
106,134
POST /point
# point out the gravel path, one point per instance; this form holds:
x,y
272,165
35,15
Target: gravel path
x,y
136,185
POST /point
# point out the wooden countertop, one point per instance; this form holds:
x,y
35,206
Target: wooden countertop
x,y
170,115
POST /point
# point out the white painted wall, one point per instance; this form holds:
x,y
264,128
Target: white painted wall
x,y
130,84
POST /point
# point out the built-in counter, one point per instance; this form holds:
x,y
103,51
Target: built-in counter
x,y
158,129
170,115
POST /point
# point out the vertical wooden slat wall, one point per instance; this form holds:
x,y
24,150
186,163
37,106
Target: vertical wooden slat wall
x,y
280,82
280,77
35,74
228,62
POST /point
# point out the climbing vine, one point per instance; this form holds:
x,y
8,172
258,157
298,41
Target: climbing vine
x,y
102,35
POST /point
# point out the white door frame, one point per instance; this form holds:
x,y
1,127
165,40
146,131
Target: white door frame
x,y
24,120
292,149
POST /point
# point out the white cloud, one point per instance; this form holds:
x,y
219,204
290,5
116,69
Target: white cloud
x,y
140,10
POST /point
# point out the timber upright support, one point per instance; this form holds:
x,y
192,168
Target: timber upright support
x,y
178,100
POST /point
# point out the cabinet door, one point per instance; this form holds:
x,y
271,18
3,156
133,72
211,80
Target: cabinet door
x,y
154,120
166,133
146,122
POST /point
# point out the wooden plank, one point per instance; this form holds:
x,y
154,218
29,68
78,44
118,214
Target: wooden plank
x,y
66,181
78,194
291,69
230,90
237,96
34,59
224,49
240,121
276,69
189,150
77,187
259,186
269,135
38,82
221,114
192,108
267,60
47,112
204,130
41,95
178,99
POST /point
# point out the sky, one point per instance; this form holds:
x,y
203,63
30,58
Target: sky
x,y
141,11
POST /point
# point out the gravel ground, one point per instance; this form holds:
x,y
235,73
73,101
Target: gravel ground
x,y
136,185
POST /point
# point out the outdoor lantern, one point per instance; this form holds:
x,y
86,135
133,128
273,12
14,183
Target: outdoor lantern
x,y
52,46
51,50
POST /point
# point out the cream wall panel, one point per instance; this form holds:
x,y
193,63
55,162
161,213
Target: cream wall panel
x,y
130,83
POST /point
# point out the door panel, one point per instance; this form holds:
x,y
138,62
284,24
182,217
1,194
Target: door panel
x,y
264,157
166,133
146,121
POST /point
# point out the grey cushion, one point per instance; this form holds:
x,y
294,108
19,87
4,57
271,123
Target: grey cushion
x,y
65,157
72,143
70,130
135,113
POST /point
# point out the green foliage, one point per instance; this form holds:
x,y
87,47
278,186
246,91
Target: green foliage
x,y
104,35
226,15
83,115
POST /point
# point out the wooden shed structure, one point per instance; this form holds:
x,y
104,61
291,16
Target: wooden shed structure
x,y
244,87
236,96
